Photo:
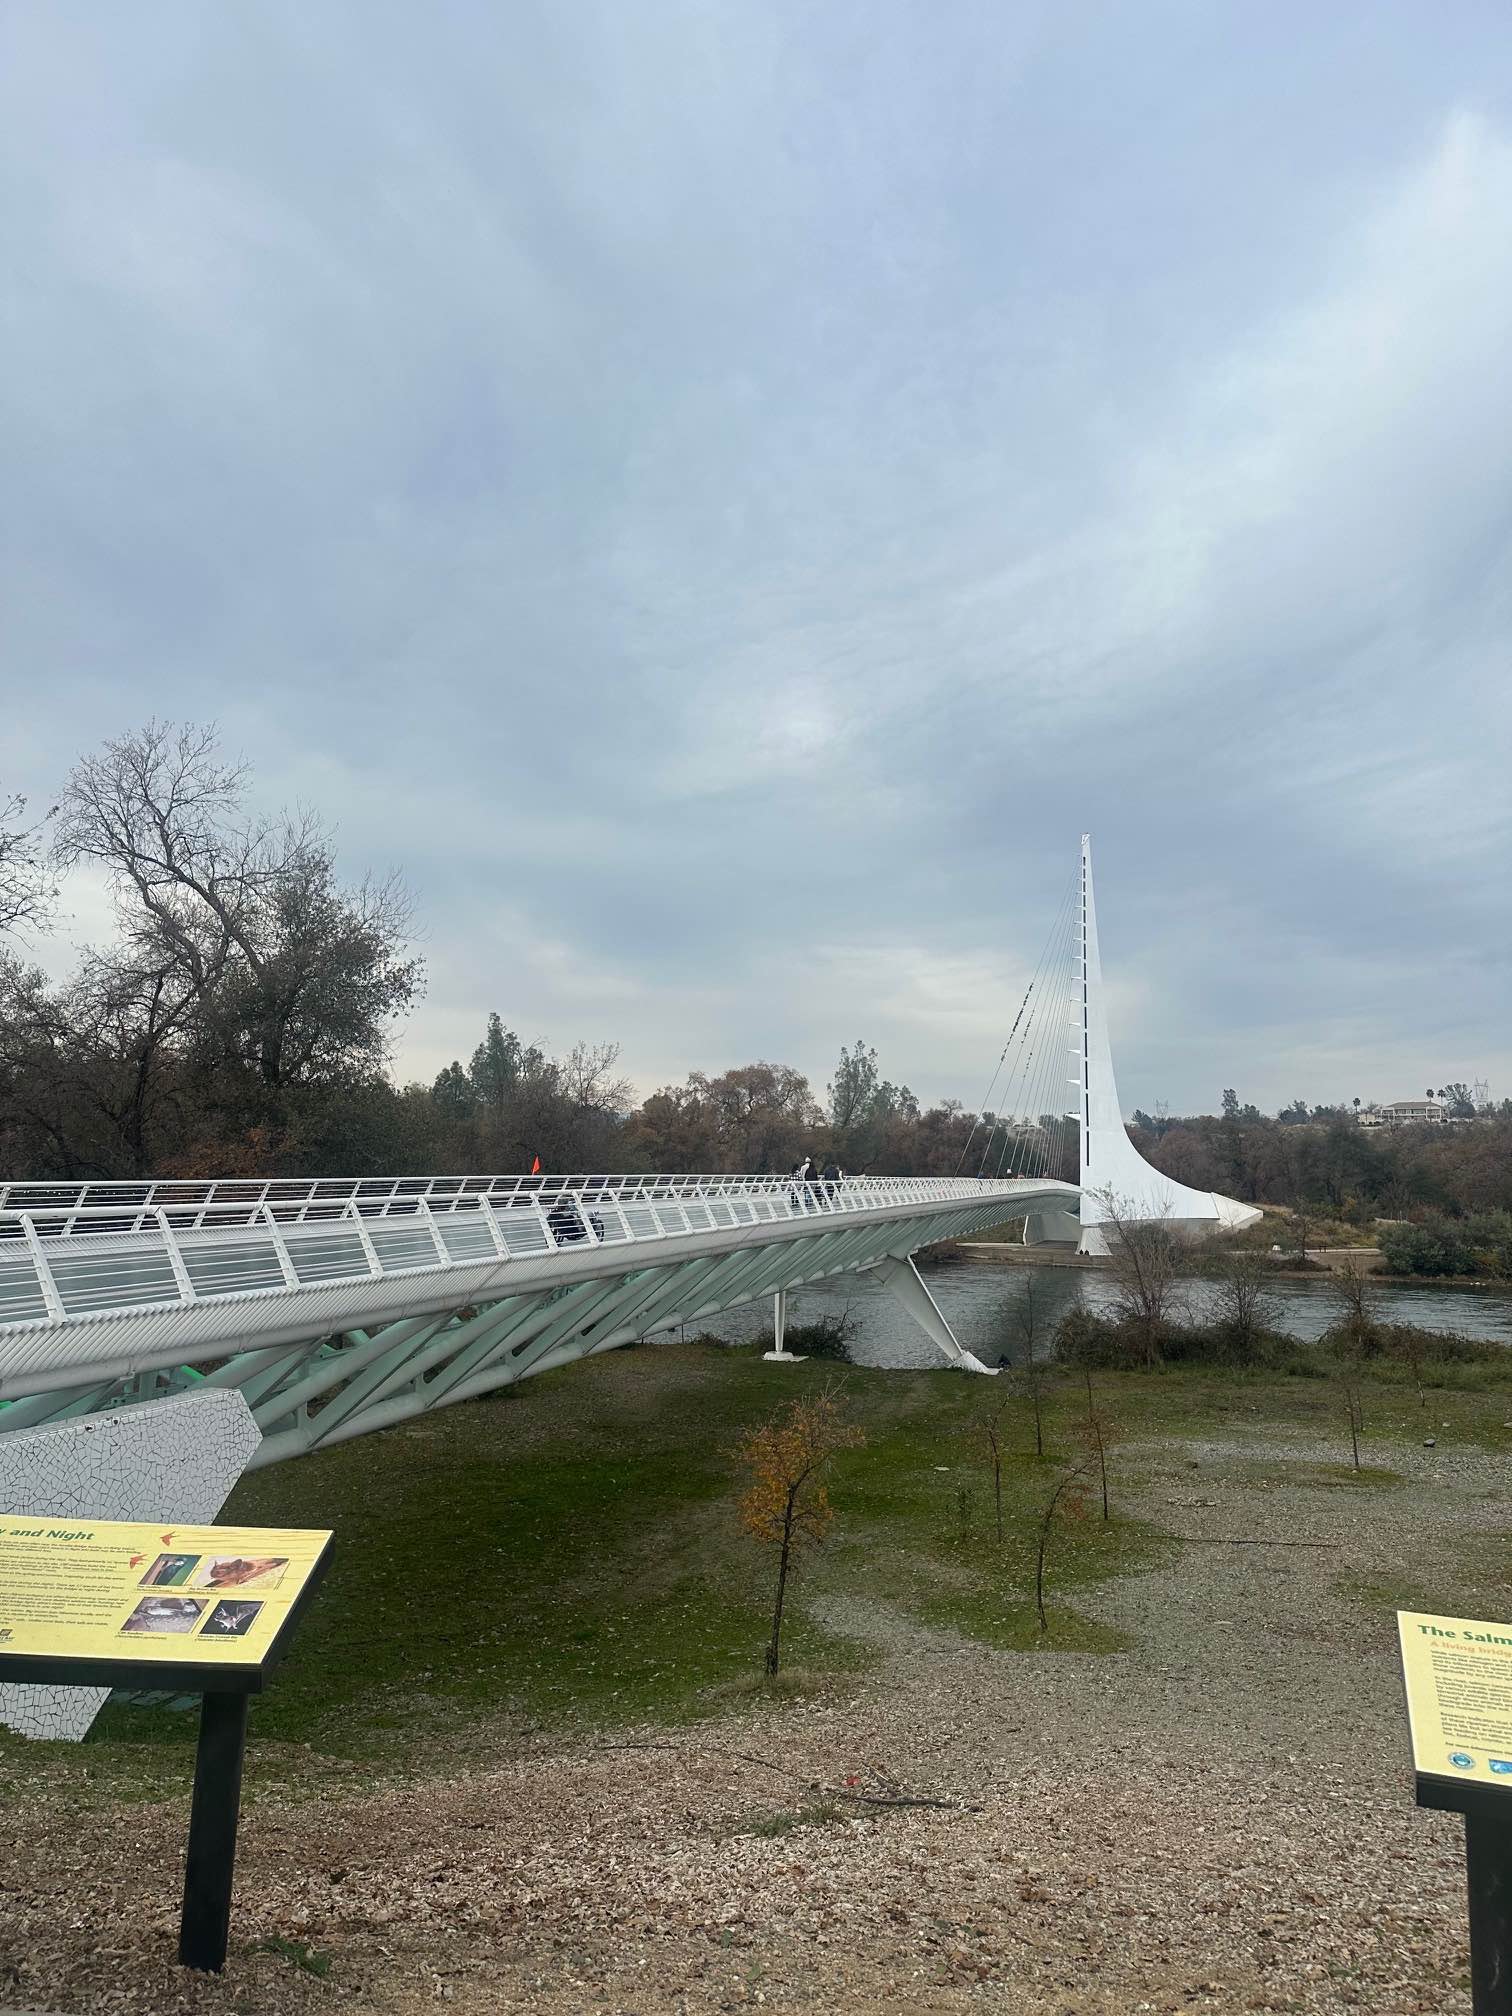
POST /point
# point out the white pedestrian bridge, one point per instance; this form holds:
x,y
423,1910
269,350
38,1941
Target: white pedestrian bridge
x,y
337,1307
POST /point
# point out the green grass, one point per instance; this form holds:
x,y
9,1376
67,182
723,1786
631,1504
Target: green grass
x,y
1388,1593
297,1953
771,1826
570,1556
1012,1625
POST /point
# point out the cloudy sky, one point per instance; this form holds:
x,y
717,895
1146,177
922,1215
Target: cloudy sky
x,y
722,492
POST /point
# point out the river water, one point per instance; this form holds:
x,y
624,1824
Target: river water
x,y
980,1298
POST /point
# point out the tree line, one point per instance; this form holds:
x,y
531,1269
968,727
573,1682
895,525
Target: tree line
x,y
240,1021
1321,1160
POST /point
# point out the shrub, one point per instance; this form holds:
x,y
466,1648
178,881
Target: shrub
x,y
829,1337
1110,1342
1437,1245
1084,1339
1490,1235
1437,1347
1434,1247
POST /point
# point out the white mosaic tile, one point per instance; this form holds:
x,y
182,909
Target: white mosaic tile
x,y
174,1460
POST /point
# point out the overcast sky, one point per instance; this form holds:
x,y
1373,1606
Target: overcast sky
x,y
723,494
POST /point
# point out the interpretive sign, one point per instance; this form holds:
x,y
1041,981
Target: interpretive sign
x,y
1458,1676
1458,1673
209,1609
98,1600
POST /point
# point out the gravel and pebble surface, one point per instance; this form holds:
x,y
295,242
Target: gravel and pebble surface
x,y
1218,1819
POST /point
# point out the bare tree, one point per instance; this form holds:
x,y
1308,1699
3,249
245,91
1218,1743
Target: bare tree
x,y
1349,1386
1097,1433
1030,1321
294,978
1070,1488
1299,1219
44,1112
1354,1340
91,1072
1354,1297
1412,1349
1244,1306
1147,1257
987,1427
27,889
588,1080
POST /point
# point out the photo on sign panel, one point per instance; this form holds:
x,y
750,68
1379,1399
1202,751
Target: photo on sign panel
x,y
168,1571
165,1613
229,1619
240,1571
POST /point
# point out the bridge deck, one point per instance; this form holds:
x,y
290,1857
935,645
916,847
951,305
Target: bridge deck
x,y
289,1290
79,1256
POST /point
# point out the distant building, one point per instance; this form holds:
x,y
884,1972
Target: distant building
x,y
1406,1113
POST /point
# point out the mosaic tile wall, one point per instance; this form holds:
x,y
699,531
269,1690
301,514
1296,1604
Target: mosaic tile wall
x,y
174,1460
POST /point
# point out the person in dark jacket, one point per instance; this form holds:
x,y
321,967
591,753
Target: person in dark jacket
x,y
566,1225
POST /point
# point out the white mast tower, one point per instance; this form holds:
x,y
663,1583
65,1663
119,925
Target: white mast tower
x,y
1110,1165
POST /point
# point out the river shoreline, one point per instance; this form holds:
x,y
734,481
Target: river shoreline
x,y
987,1300
1000,1252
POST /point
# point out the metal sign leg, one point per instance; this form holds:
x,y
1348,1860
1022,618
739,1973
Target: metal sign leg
x,y
206,1924
1488,1868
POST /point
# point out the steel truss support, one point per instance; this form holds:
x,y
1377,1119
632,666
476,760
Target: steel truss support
x,y
364,1373
906,1284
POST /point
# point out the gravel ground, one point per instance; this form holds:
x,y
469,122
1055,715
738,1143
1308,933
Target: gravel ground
x,y
1218,1819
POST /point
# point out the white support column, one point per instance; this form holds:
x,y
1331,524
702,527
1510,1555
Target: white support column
x,y
907,1285
779,1331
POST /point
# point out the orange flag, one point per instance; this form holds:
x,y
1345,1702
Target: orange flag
x,y
535,1167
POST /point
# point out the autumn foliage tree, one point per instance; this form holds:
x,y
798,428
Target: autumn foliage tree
x,y
785,1505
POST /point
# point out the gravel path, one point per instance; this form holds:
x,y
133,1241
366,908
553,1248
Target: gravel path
x,y
1219,1819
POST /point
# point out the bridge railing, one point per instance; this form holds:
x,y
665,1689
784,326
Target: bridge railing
x,y
70,1259
295,1198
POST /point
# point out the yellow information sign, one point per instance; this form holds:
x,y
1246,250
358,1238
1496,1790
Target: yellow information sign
x,y
105,1590
1458,1672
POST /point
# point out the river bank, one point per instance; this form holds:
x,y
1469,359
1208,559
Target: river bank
x,y
1330,1259
986,1304
520,1759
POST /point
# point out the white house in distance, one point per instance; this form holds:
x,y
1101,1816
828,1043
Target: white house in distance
x,y
1406,1113
1111,1166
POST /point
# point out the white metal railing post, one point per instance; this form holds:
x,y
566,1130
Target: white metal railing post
x,y
280,1247
491,1220
435,1231
370,1251
51,1299
175,1258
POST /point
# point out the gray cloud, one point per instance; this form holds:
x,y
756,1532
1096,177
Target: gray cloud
x,y
723,495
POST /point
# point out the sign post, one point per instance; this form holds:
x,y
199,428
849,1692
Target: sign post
x,y
205,1924
1458,1676
192,1609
